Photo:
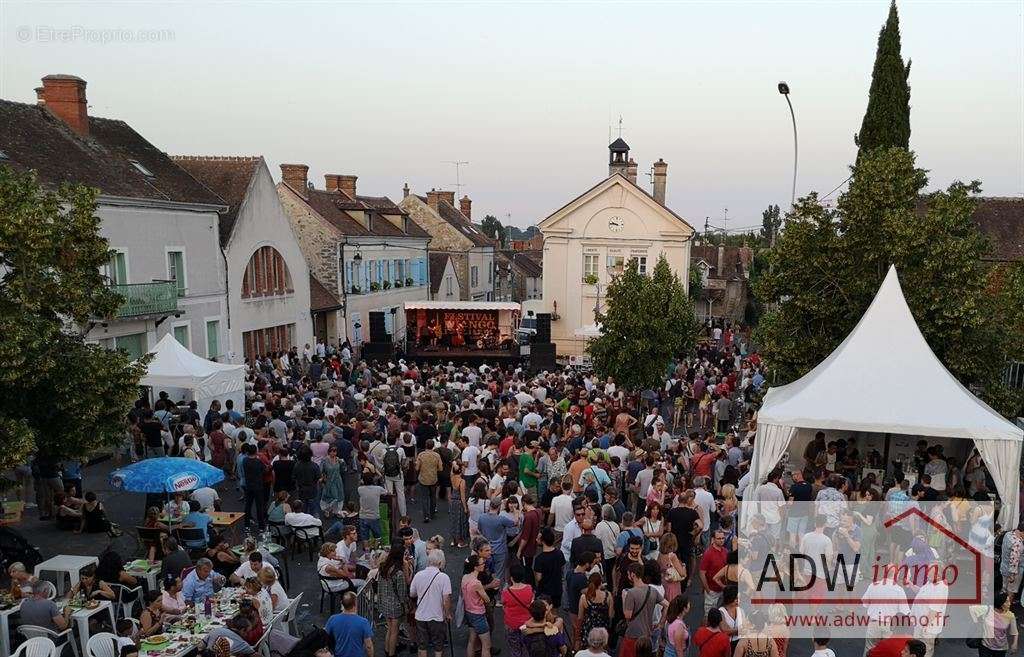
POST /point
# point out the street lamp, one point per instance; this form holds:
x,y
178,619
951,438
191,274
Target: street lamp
x,y
784,90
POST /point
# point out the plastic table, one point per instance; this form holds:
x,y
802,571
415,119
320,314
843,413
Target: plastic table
x,y
72,564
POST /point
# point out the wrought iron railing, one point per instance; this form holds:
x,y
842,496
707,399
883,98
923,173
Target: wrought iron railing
x,y
147,298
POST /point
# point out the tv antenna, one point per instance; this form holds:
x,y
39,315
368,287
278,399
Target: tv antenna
x,y
458,177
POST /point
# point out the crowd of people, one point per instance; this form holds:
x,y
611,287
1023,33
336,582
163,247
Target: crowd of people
x,y
595,518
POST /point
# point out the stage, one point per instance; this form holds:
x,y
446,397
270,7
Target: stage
x,y
463,355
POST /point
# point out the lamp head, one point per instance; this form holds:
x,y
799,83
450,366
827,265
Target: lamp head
x,y
358,257
783,88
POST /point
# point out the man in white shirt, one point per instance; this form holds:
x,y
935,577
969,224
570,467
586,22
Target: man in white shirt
x,y
207,497
561,508
705,503
473,432
619,449
431,588
524,397
880,614
470,454
769,500
300,519
532,420
498,480
540,393
248,568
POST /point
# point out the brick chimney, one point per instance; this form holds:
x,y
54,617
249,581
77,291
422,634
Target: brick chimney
x,y
660,178
631,171
466,206
347,184
433,199
448,196
405,190
331,182
40,96
64,96
294,175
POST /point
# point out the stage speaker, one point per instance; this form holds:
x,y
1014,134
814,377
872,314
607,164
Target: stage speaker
x,y
378,329
542,356
382,351
543,328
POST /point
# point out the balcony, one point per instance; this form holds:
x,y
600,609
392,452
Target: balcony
x,y
156,298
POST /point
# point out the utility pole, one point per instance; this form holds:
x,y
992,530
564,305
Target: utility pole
x,y
707,224
458,178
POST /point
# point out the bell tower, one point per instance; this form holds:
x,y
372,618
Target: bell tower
x,y
618,158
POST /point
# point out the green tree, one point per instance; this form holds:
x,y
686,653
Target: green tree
x,y
771,221
58,395
887,119
696,282
492,228
827,265
647,321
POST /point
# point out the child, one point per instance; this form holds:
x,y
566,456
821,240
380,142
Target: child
x,y
821,648
125,644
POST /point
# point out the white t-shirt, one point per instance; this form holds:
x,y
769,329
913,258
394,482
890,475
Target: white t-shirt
x,y
814,544
245,571
623,454
705,503
473,434
344,551
823,652
497,481
206,496
561,507
469,457
429,587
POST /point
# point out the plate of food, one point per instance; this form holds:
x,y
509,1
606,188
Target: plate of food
x,y
91,604
156,640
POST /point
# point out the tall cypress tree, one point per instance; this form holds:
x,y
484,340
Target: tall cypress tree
x,y
887,119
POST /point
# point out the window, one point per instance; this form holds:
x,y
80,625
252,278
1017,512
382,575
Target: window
x,y
616,264
181,335
134,344
212,339
403,267
262,341
590,265
641,265
474,276
176,270
490,276
448,279
141,169
117,269
266,274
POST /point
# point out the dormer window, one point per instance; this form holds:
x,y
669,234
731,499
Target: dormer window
x,y
141,169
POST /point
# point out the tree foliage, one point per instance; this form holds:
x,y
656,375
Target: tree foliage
x,y
827,266
771,221
492,228
887,119
648,321
58,395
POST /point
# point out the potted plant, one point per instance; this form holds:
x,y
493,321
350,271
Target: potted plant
x,y
408,281
398,284
374,286
356,290
590,279
387,285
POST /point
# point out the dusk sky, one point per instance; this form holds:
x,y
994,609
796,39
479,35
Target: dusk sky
x,y
529,93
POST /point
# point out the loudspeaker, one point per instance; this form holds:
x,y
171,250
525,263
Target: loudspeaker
x,y
543,328
382,351
542,356
378,328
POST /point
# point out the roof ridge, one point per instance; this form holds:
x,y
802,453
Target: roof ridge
x,y
217,158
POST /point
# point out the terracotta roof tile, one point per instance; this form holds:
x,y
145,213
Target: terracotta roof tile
x,y
320,298
228,176
1001,219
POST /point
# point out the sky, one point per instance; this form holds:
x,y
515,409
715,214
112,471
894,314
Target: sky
x,y
529,93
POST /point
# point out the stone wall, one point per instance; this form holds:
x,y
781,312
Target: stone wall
x,y
443,238
317,240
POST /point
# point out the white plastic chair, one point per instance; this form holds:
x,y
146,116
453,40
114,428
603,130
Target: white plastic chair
x,y
262,646
102,644
57,638
37,646
51,590
288,615
127,599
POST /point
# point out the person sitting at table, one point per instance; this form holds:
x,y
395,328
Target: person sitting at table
x,y
151,620
111,569
172,602
249,568
297,518
177,507
208,498
91,587
249,610
40,611
261,599
152,521
338,575
202,582
126,639
197,519
232,631
69,511
278,508
224,560
268,578
21,580
176,559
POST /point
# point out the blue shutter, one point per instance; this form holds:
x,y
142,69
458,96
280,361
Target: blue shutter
x,y
414,271
421,271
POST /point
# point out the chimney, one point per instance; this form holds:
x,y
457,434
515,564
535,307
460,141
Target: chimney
x,y
631,171
405,190
447,196
347,184
466,206
40,96
294,175
660,178
64,96
433,198
331,182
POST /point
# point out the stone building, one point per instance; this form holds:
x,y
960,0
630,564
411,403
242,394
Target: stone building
x,y
596,235
452,231
725,280
364,251
518,276
267,279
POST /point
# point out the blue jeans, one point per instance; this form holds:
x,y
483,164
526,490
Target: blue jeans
x,y
368,527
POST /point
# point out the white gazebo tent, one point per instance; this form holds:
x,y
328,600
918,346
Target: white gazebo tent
x,y
884,378
181,373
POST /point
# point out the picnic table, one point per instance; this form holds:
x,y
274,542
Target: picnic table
x,y
227,520
190,631
146,570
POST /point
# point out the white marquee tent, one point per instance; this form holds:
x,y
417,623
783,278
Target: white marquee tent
x,y
884,378
181,373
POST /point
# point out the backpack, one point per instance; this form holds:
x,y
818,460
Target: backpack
x,y
392,463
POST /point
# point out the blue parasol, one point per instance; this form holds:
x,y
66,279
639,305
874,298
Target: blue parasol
x,y
165,475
